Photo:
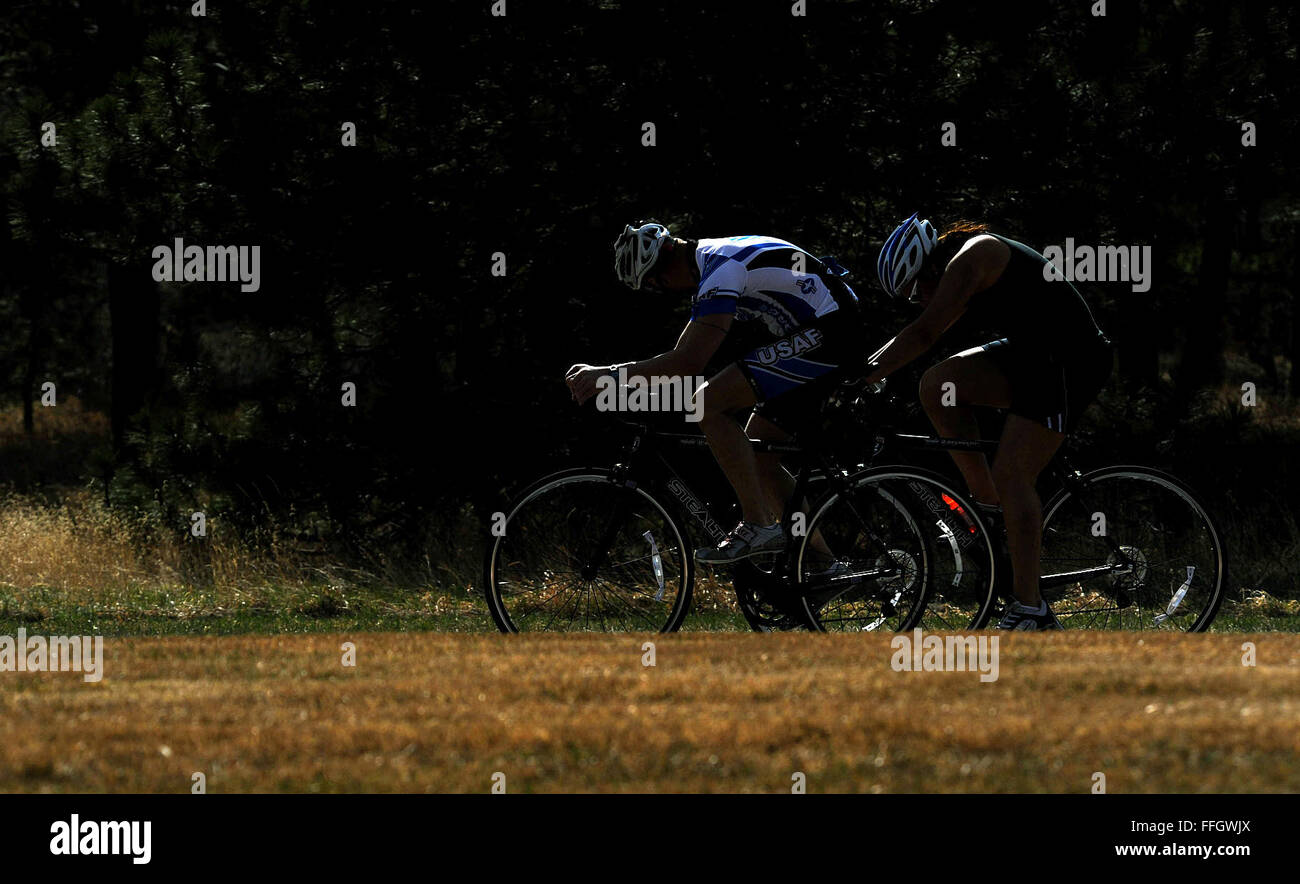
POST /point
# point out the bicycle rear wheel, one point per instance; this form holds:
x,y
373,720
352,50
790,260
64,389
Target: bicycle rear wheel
x,y
1132,548
899,537
584,552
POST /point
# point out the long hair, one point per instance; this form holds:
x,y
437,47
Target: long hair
x,y
951,239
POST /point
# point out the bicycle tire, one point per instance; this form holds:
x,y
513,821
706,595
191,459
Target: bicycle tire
x,y
596,479
960,510
1218,557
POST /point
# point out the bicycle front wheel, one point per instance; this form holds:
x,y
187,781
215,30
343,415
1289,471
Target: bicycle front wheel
x,y
1131,548
582,551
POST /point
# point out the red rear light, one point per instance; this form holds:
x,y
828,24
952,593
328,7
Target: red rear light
x,y
956,508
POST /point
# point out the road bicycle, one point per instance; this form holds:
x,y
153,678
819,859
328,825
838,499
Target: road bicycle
x,y
609,548
1124,547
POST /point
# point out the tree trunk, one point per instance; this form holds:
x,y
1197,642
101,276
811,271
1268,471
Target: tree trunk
x,y
133,314
1202,362
29,416
1293,377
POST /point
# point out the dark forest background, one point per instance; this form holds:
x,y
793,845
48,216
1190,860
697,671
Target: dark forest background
x,y
522,134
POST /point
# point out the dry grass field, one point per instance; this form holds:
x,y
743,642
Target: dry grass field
x,y
718,713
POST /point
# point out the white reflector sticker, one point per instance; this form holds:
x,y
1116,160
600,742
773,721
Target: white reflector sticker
x,y
657,563
1178,597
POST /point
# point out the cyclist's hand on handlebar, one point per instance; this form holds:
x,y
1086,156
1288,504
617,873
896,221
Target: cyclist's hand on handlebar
x,y
581,380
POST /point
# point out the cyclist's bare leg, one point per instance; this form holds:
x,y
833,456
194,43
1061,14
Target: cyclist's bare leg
x,y
976,380
726,392
775,480
1025,449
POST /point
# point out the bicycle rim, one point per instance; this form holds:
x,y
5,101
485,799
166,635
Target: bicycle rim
x,y
909,538
1157,555
583,553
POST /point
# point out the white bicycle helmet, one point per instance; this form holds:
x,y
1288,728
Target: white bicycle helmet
x,y
635,252
904,253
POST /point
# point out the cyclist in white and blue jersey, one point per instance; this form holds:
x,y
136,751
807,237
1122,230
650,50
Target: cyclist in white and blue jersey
x,y
804,312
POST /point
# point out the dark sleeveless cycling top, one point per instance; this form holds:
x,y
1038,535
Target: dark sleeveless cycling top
x,y
1032,311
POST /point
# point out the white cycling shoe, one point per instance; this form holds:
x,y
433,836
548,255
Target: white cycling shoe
x,y
745,540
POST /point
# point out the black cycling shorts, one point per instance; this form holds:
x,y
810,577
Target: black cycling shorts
x,y
1053,387
792,376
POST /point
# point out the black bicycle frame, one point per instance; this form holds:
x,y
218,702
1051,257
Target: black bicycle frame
x,y
1067,477
647,442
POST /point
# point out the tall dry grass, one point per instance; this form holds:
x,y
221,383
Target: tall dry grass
x,y
60,542
88,552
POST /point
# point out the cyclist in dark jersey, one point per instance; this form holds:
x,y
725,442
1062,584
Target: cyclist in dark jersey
x,y
1049,362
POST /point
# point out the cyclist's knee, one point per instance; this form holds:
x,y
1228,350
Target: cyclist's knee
x,y
930,390
707,407
1009,478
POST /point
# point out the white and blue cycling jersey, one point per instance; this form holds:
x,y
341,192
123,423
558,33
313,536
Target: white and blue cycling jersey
x,y
754,278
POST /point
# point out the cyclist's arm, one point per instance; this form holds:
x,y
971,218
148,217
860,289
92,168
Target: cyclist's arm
x,y
712,313
973,269
695,347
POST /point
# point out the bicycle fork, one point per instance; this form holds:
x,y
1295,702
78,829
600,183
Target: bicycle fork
x,y
605,542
